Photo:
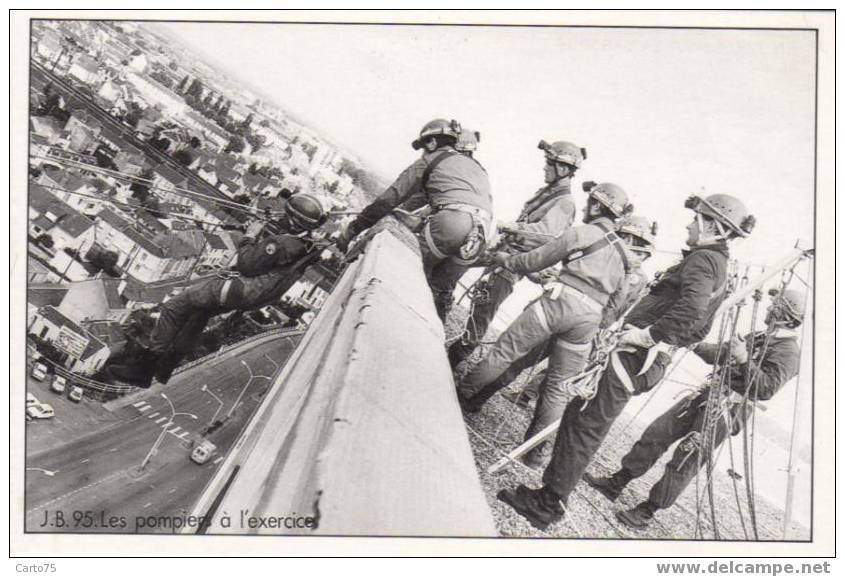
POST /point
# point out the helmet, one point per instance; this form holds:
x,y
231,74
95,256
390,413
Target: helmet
x,y
726,210
468,140
565,152
611,196
437,126
792,302
306,211
640,227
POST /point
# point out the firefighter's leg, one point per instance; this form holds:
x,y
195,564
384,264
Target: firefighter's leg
x,y
184,342
443,280
675,423
536,355
569,353
684,465
530,329
204,296
442,237
499,288
582,432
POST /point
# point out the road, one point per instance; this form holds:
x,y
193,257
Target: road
x,y
40,76
92,483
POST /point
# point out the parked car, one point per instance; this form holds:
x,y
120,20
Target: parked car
x,y
203,452
75,393
31,400
58,384
41,411
39,371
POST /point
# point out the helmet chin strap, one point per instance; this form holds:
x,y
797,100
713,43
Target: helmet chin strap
x,y
705,238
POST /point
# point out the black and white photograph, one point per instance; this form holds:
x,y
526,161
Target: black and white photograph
x,y
505,277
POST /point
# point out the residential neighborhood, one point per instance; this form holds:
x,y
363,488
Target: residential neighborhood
x,y
144,165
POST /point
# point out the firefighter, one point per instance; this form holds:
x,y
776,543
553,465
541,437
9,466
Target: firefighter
x,y
685,420
546,215
594,261
265,270
678,311
456,190
639,233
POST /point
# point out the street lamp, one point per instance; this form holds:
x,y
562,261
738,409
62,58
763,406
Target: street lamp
x,y
246,386
154,448
205,389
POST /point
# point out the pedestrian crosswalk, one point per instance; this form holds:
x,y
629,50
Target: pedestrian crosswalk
x,y
161,420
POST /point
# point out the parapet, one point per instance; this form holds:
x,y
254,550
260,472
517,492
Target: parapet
x,y
361,431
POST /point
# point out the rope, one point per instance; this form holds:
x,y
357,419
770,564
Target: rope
x,y
225,203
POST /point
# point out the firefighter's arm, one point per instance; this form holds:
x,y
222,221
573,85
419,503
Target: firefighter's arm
x,y
779,365
555,222
405,186
543,256
697,282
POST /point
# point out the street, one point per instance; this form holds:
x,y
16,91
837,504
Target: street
x,y
92,483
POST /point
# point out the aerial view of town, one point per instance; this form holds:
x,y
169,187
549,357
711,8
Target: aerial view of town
x,y
145,164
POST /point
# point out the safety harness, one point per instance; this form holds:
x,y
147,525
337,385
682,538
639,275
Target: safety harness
x,y
476,240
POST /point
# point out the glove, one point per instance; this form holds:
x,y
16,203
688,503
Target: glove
x,y
631,335
739,351
499,258
254,229
345,237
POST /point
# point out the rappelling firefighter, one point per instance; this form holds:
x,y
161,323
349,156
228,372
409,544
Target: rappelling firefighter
x,y
265,269
677,312
456,190
755,375
594,261
546,215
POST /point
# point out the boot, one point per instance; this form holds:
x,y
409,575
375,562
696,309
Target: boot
x,y
611,487
468,404
639,517
458,352
137,370
541,507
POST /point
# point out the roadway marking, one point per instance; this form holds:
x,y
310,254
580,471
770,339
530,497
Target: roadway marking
x,y
147,505
113,450
153,415
217,460
174,429
173,490
161,420
182,435
145,409
69,493
139,404
84,460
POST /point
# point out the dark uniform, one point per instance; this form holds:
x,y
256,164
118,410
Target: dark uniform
x,y
457,189
265,270
685,420
679,309
549,212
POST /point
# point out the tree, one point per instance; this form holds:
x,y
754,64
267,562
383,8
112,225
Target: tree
x,y
264,123
45,240
236,145
242,198
103,259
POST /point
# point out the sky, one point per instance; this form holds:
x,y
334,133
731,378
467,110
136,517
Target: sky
x,y
663,113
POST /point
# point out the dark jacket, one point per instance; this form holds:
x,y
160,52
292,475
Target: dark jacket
x,y
273,252
457,179
680,307
779,365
